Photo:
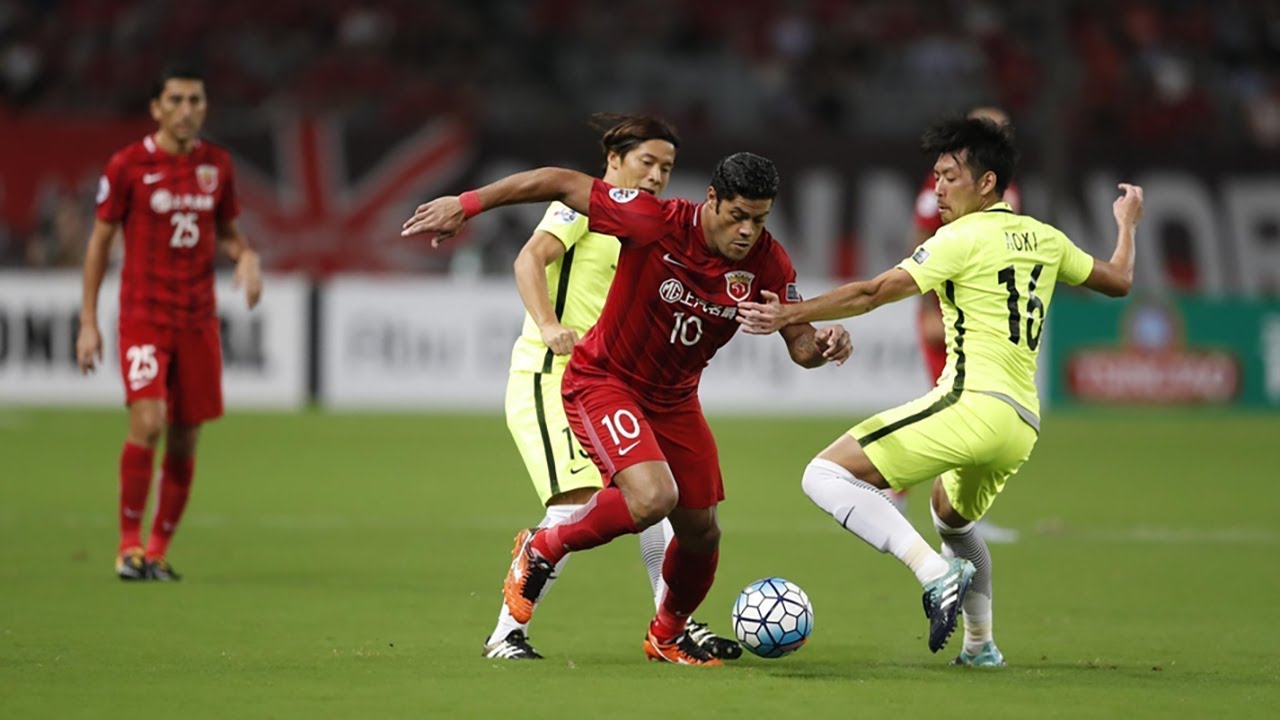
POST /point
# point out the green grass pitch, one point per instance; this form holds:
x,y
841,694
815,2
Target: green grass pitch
x,y
350,565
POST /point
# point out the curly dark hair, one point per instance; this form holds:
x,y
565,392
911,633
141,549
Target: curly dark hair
x,y
988,147
745,174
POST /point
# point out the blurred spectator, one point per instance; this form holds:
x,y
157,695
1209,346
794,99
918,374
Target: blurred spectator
x,y
1159,70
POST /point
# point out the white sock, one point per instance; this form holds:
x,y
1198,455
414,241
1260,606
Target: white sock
x,y
653,550
864,511
965,542
506,623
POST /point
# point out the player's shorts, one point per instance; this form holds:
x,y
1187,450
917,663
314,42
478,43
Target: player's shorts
x,y
180,365
551,452
975,443
618,432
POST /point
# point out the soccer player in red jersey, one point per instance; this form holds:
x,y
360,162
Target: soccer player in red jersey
x,y
933,338
173,195
631,387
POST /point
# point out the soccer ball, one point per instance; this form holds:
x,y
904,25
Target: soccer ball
x,y
772,617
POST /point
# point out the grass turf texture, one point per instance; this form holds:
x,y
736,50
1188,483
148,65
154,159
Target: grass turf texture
x,y
350,565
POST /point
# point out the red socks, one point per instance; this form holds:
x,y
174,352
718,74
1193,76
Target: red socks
x,y
603,518
175,486
135,480
689,576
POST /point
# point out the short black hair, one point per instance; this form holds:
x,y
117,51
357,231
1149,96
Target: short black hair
x,y
989,146
745,174
175,71
623,133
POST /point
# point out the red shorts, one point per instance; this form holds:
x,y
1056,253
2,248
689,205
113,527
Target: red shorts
x,y
183,366
618,432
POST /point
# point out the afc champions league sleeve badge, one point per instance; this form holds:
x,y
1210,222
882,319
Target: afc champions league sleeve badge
x,y
207,178
738,284
623,195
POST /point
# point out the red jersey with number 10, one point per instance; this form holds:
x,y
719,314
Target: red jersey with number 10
x,y
169,207
673,302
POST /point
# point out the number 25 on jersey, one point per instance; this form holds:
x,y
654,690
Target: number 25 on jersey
x,y
186,230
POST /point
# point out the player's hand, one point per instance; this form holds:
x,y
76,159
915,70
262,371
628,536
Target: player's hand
x,y
249,276
443,217
88,347
1128,207
763,318
559,338
834,342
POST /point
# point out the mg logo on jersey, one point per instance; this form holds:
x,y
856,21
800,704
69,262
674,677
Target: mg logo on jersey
x,y
738,284
163,201
207,177
671,290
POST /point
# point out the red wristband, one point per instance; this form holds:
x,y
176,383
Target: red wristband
x,y
471,206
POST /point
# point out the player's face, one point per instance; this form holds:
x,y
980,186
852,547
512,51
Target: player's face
x,y
734,225
647,166
180,109
958,192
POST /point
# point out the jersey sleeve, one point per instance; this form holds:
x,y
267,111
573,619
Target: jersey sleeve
x,y
229,202
626,213
113,190
1075,265
939,259
564,223
781,281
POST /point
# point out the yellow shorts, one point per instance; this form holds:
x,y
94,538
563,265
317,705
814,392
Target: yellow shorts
x,y
552,455
974,442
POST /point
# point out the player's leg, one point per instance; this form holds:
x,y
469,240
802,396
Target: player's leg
x,y
194,392
689,571
145,356
897,449
640,491
687,442
562,475
960,500
177,470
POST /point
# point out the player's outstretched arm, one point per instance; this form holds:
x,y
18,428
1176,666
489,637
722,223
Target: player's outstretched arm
x,y
541,250
1114,278
89,341
444,216
248,268
812,347
849,300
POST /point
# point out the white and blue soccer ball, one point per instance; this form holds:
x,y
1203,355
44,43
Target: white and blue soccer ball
x,y
772,617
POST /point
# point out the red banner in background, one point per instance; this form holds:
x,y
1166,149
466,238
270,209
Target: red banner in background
x,y
45,156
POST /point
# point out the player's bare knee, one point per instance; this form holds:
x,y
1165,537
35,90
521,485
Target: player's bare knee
x,y
653,502
943,509
146,424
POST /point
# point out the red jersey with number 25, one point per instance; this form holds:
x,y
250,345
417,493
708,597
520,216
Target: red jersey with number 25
x,y
169,207
673,302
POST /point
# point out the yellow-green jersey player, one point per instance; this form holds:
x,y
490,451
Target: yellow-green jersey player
x,y
563,274
994,272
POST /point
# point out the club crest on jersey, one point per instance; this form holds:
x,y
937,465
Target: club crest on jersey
x,y
623,195
738,284
207,177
